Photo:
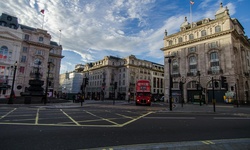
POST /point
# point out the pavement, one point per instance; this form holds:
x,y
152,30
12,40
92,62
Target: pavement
x,y
156,106
232,144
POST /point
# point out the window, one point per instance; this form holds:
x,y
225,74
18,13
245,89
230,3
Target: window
x,y
175,67
21,69
217,29
37,61
191,85
213,45
4,52
191,36
39,52
191,49
170,43
214,56
23,59
192,64
203,33
214,62
40,39
25,49
26,37
180,39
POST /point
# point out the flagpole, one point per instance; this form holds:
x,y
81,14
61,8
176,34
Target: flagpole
x,y
60,36
191,21
43,21
42,11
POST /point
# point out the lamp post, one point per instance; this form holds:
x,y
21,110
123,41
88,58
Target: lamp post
x,y
47,84
182,81
170,82
10,101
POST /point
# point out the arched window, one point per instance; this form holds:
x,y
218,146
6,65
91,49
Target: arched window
x,y
191,36
214,62
203,33
217,29
4,52
193,64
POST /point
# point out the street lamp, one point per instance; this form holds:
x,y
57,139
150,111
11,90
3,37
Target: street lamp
x,y
47,84
170,82
10,101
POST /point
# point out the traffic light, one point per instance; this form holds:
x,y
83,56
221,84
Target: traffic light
x,y
86,81
232,88
115,85
223,82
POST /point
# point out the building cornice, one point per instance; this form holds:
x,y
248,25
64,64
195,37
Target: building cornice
x,y
55,55
38,44
198,39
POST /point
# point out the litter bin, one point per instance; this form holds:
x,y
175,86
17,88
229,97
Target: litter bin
x,y
27,100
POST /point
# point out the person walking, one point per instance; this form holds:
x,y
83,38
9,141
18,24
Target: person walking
x,y
74,97
82,99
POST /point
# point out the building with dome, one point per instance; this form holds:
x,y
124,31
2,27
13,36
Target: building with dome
x,y
210,58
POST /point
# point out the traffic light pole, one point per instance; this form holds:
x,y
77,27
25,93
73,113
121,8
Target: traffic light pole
x,y
213,99
170,82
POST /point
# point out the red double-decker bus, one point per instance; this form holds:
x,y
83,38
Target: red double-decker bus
x,y
143,92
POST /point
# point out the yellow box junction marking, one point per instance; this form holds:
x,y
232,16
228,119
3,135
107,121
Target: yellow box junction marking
x,y
207,142
8,113
70,117
37,116
108,120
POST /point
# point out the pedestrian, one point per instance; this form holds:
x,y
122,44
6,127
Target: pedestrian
x,y
83,98
73,98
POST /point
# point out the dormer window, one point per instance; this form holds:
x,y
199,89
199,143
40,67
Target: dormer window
x,y
26,37
191,36
170,42
180,39
203,33
217,29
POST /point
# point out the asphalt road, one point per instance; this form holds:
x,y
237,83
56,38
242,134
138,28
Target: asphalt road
x,y
95,126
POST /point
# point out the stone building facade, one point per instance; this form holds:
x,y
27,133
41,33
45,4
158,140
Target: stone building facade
x,y
104,74
204,51
32,49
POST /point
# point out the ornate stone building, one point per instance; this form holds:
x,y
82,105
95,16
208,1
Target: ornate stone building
x,y
105,74
206,50
31,48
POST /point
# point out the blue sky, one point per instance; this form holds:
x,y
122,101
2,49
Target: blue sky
x,y
92,29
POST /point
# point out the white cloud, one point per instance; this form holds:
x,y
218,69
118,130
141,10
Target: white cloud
x,y
93,29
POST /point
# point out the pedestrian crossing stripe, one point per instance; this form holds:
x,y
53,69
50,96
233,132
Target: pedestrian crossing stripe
x,y
207,142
